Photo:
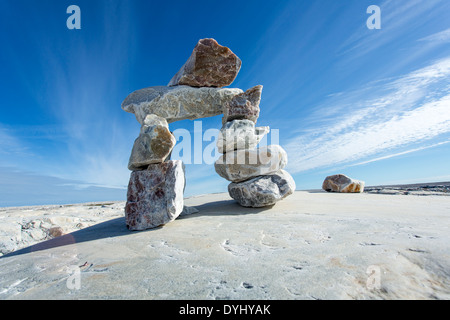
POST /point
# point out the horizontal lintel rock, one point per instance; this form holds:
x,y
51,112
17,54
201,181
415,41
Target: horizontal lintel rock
x,y
342,183
244,106
155,195
154,144
240,134
262,191
210,65
241,165
178,103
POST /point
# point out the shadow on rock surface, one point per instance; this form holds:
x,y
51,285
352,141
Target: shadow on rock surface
x,y
112,228
117,227
224,208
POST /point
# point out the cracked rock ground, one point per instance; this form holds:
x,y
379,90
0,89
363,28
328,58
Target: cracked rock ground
x,y
313,245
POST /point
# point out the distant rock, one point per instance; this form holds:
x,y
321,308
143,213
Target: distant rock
x,y
263,191
55,232
342,183
10,236
155,195
24,226
240,134
243,106
242,165
179,102
210,65
427,189
153,145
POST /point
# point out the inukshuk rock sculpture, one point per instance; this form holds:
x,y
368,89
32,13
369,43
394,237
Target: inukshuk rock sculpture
x,y
156,187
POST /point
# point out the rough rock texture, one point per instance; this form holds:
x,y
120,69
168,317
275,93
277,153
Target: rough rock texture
x,y
155,195
178,103
188,211
240,134
210,65
154,144
342,183
262,191
21,227
24,226
311,245
243,106
242,165
419,189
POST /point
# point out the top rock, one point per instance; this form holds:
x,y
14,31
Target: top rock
x,y
210,65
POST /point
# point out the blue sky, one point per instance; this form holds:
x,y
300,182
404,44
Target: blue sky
x,y
373,104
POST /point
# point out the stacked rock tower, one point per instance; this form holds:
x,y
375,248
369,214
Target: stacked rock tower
x,y
156,186
256,174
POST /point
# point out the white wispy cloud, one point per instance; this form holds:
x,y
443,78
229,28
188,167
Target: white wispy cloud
x,y
83,96
401,153
398,18
11,146
440,37
86,136
412,109
20,188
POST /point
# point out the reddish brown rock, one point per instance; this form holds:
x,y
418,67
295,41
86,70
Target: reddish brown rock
x,y
155,195
342,183
243,106
210,65
55,232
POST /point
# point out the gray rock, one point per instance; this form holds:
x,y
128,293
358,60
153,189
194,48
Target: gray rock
x,y
179,102
10,236
243,106
342,183
153,120
242,165
188,211
240,134
154,144
155,195
210,65
21,227
262,191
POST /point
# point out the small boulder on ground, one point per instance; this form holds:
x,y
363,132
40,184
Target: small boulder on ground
x,y
55,232
343,184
